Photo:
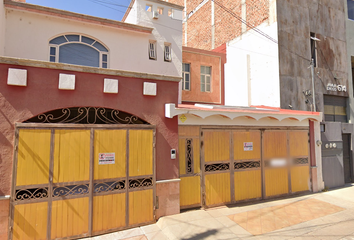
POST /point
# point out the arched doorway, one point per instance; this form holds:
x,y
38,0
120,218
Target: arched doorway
x,y
82,171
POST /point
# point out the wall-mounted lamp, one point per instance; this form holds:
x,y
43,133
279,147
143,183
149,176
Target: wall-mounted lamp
x,y
319,142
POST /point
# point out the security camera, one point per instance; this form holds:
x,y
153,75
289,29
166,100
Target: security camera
x,y
290,106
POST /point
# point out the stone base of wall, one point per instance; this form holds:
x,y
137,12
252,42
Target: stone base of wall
x,y
167,192
4,216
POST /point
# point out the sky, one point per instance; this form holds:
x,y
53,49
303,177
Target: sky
x,y
111,9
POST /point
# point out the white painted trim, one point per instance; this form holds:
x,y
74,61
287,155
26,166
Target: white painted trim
x,y
169,181
6,197
171,111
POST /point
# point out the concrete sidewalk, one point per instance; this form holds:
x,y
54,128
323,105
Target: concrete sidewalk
x,y
327,215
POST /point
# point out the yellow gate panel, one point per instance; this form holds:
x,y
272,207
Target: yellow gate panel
x,y
190,191
141,207
217,188
71,155
110,141
140,152
248,185
182,155
276,181
108,212
216,146
239,138
33,157
300,178
275,144
69,217
30,221
190,131
298,143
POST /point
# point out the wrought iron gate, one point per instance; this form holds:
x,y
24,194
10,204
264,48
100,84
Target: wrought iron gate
x,y
74,181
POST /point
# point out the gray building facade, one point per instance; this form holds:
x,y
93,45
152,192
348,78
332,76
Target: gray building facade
x,y
320,30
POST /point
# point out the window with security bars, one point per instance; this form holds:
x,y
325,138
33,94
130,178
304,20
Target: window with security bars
x,y
152,50
335,109
186,71
205,78
168,57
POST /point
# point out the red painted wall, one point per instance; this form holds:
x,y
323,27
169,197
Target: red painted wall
x,y
42,94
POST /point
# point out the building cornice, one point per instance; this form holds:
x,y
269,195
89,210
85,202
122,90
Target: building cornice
x,y
77,68
75,16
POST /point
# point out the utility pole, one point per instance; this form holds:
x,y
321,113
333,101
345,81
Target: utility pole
x,y
313,85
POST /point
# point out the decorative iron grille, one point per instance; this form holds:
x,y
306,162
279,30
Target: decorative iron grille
x,y
298,161
86,115
189,155
140,183
109,186
31,194
247,165
216,167
70,190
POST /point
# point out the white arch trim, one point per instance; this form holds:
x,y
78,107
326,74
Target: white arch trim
x,y
277,114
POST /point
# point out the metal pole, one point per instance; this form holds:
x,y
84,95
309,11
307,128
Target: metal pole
x,y
313,85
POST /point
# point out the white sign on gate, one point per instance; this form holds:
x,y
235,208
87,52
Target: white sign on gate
x,y
106,158
248,146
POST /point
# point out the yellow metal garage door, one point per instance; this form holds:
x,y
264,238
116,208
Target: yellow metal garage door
x,y
216,167
73,182
276,163
247,165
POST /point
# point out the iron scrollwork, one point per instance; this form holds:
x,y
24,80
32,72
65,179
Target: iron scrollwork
x,y
189,155
31,194
86,115
247,165
70,190
217,167
140,183
109,186
298,161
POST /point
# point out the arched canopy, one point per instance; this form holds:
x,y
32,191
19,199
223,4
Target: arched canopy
x,y
86,115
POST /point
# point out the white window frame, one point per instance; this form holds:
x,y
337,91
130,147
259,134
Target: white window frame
x,y
152,50
184,73
167,52
206,76
101,53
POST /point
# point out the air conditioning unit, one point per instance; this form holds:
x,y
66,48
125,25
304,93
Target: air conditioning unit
x,y
155,14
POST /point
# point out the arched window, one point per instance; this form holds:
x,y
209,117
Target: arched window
x,y
78,50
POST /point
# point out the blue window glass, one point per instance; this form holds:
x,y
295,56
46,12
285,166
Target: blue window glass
x,y
58,40
52,50
52,58
79,54
87,40
100,47
104,58
104,65
73,38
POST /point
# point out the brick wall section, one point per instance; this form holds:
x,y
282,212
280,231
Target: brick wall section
x,y
257,11
199,26
227,27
